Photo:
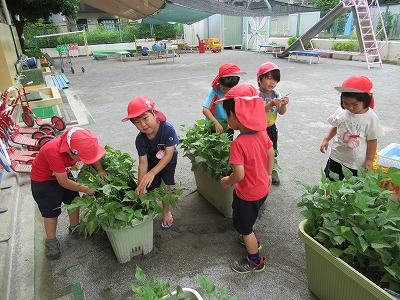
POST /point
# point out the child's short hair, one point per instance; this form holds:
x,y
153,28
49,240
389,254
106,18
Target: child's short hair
x,y
229,81
365,98
229,106
149,111
275,74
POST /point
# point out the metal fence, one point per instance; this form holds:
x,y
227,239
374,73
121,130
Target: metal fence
x,y
297,24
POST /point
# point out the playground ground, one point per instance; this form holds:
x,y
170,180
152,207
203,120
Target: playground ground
x,y
201,241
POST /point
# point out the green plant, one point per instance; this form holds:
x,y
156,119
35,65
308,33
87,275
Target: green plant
x,y
207,149
357,221
293,39
35,52
345,46
115,203
155,289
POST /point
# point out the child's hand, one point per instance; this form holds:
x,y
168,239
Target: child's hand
x,y
145,183
324,146
102,174
218,127
224,182
285,100
89,191
276,102
368,164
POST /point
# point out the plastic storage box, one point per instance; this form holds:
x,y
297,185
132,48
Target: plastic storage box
x,y
390,156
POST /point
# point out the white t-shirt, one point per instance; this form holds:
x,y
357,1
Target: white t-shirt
x,y
349,146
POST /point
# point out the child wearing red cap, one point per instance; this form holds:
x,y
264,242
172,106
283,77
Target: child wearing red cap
x,y
252,157
226,79
156,146
355,129
52,182
268,76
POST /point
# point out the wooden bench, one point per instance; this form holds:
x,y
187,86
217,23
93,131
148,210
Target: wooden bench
x,y
311,54
266,48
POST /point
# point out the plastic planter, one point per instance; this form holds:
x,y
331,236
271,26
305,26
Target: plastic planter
x,y
212,191
189,293
131,241
330,278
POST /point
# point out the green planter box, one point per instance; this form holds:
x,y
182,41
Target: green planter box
x,y
212,191
330,278
131,241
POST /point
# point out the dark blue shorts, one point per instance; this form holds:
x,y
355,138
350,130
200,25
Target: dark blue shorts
x,y
245,213
49,196
335,167
167,175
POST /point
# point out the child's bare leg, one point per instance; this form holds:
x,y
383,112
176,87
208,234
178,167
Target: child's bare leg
x,y
251,243
50,226
73,218
167,215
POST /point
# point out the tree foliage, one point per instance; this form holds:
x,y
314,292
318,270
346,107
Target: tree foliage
x,y
33,10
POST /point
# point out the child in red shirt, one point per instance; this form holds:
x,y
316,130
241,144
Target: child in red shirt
x,y
52,182
252,157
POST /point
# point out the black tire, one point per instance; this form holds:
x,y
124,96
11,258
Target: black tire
x,y
83,70
58,123
62,70
28,119
47,129
72,70
44,139
38,134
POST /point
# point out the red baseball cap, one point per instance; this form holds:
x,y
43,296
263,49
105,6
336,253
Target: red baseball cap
x,y
83,143
266,67
357,84
249,106
227,69
139,105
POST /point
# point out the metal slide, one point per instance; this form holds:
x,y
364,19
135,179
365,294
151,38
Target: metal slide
x,y
317,28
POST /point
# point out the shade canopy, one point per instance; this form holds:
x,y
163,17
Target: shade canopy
x,y
191,11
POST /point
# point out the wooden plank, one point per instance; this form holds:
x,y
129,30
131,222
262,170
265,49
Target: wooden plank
x,y
48,79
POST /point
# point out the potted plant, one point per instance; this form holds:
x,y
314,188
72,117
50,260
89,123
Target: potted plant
x,y
209,154
156,289
352,235
115,207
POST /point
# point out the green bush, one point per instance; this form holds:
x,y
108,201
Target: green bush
x,y
293,39
99,35
345,46
35,52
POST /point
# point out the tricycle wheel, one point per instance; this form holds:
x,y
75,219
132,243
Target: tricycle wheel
x,y
44,139
83,70
62,70
72,70
47,129
38,134
58,123
28,119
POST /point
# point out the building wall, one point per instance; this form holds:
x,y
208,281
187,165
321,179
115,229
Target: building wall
x,y
8,56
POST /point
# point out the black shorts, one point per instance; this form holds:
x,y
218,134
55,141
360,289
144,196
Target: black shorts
x,y
245,213
49,196
335,167
273,136
167,175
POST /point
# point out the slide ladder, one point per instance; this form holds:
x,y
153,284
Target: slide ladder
x,y
365,31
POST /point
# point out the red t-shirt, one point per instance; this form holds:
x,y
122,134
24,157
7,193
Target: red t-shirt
x,y
50,160
251,151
